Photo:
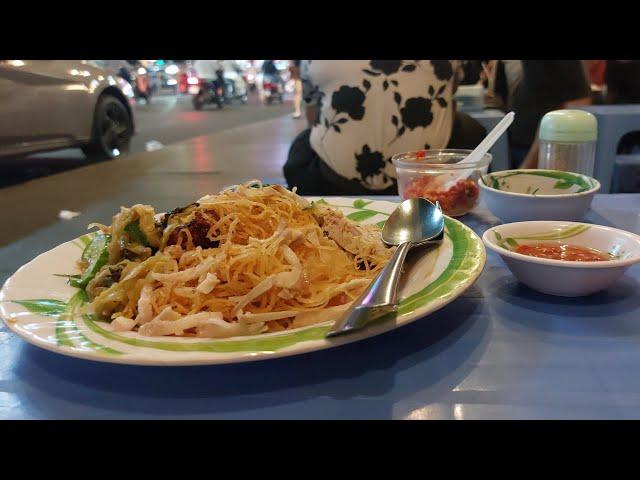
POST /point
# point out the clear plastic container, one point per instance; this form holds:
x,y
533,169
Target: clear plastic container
x,y
568,141
437,175
577,157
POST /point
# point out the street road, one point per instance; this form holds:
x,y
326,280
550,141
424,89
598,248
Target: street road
x,y
167,119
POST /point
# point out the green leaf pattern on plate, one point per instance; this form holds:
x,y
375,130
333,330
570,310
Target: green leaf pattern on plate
x,y
509,243
66,313
360,203
565,181
43,306
361,215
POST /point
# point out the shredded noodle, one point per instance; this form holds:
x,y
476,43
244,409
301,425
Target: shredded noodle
x,y
249,260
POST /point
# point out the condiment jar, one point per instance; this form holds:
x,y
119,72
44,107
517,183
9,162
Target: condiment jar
x,y
568,141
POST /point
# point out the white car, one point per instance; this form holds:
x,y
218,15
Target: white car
x,y
54,104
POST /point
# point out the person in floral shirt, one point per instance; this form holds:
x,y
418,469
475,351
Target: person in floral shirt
x,y
362,112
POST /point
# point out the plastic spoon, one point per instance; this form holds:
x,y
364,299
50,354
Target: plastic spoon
x,y
483,147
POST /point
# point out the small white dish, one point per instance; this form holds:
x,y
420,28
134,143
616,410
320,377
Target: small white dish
x,y
562,277
536,194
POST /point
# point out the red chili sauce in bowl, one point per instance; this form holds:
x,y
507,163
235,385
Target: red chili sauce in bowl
x,y
571,253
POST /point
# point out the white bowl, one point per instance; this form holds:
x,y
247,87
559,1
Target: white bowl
x,y
536,194
561,277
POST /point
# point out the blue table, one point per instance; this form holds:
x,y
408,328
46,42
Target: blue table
x,y
499,351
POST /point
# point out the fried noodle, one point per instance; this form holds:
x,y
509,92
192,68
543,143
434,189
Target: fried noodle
x,y
250,260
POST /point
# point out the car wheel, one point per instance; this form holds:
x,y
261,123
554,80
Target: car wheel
x,y
112,130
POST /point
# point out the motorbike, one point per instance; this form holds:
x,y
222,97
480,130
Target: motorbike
x,y
250,78
236,87
207,92
272,89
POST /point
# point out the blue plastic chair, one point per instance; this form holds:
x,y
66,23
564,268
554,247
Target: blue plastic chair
x,y
614,122
626,174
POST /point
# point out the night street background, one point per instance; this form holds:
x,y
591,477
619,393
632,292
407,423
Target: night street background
x,y
167,119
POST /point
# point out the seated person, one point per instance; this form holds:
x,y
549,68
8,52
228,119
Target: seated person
x,y
539,87
362,112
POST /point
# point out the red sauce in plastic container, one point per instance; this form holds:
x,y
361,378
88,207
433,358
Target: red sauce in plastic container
x,y
455,201
572,253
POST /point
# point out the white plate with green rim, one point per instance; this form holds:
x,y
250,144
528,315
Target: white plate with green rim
x,y
44,310
564,278
537,194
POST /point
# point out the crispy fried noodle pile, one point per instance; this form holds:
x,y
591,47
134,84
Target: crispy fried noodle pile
x,y
250,260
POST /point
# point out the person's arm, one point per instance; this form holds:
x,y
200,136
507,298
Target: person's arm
x,y
531,158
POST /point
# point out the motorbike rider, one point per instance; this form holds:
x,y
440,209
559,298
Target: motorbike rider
x,y
271,72
121,67
211,71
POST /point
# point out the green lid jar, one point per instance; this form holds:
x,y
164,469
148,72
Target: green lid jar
x,y
569,126
568,141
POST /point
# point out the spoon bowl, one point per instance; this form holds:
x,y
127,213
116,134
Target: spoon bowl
x,y
414,222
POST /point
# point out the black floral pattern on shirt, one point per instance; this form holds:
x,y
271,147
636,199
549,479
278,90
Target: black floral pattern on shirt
x,y
417,113
371,165
442,69
346,100
349,100
387,68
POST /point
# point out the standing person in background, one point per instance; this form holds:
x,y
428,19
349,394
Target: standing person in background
x,y
294,68
623,81
545,85
596,70
362,112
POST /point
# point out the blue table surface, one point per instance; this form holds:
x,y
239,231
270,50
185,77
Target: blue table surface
x,y
499,351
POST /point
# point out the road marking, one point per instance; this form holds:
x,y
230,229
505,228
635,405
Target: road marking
x,y
153,145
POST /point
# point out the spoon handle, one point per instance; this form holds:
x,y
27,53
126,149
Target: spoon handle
x,y
380,298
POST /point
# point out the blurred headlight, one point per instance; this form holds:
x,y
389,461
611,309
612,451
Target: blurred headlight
x,y
142,71
192,81
172,81
171,70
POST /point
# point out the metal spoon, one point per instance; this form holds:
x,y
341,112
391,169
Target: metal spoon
x,y
414,222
